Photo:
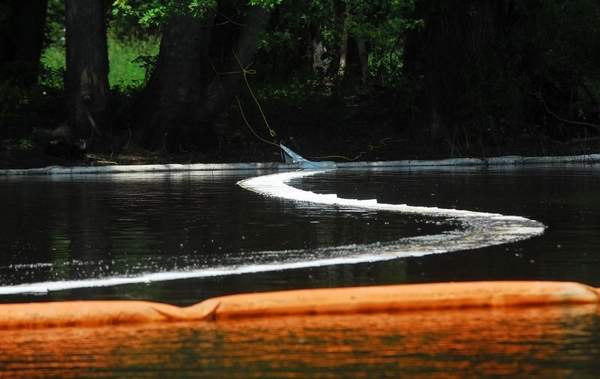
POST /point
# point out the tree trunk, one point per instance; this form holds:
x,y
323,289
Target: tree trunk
x,y
176,85
186,93
363,56
317,51
21,36
86,80
342,15
224,88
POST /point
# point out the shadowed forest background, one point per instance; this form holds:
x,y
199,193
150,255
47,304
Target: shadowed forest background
x,y
134,81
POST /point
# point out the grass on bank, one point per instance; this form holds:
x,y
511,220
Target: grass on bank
x,y
129,61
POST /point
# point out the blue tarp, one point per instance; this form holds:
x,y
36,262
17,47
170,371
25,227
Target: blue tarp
x,y
292,157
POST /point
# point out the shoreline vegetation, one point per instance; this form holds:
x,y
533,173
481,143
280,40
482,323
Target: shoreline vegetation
x,y
337,80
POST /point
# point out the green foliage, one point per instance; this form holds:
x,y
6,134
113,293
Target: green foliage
x,y
382,24
148,13
24,144
494,61
154,13
129,60
296,90
53,66
55,23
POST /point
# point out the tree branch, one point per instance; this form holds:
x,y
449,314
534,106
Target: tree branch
x,y
572,122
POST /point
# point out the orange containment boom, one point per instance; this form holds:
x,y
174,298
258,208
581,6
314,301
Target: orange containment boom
x,y
351,300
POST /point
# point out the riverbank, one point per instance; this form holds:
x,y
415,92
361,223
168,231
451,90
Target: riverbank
x,y
14,155
354,124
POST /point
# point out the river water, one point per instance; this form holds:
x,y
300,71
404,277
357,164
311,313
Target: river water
x,y
209,237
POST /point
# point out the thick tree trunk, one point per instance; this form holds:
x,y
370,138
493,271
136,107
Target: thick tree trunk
x,y
86,81
224,88
186,92
21,37
177,83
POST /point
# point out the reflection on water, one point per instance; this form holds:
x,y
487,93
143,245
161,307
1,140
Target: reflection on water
x,y
541,342
563,198
61,227
75,228
69,228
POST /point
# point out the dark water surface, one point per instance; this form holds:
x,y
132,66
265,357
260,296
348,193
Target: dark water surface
x,y
63,228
